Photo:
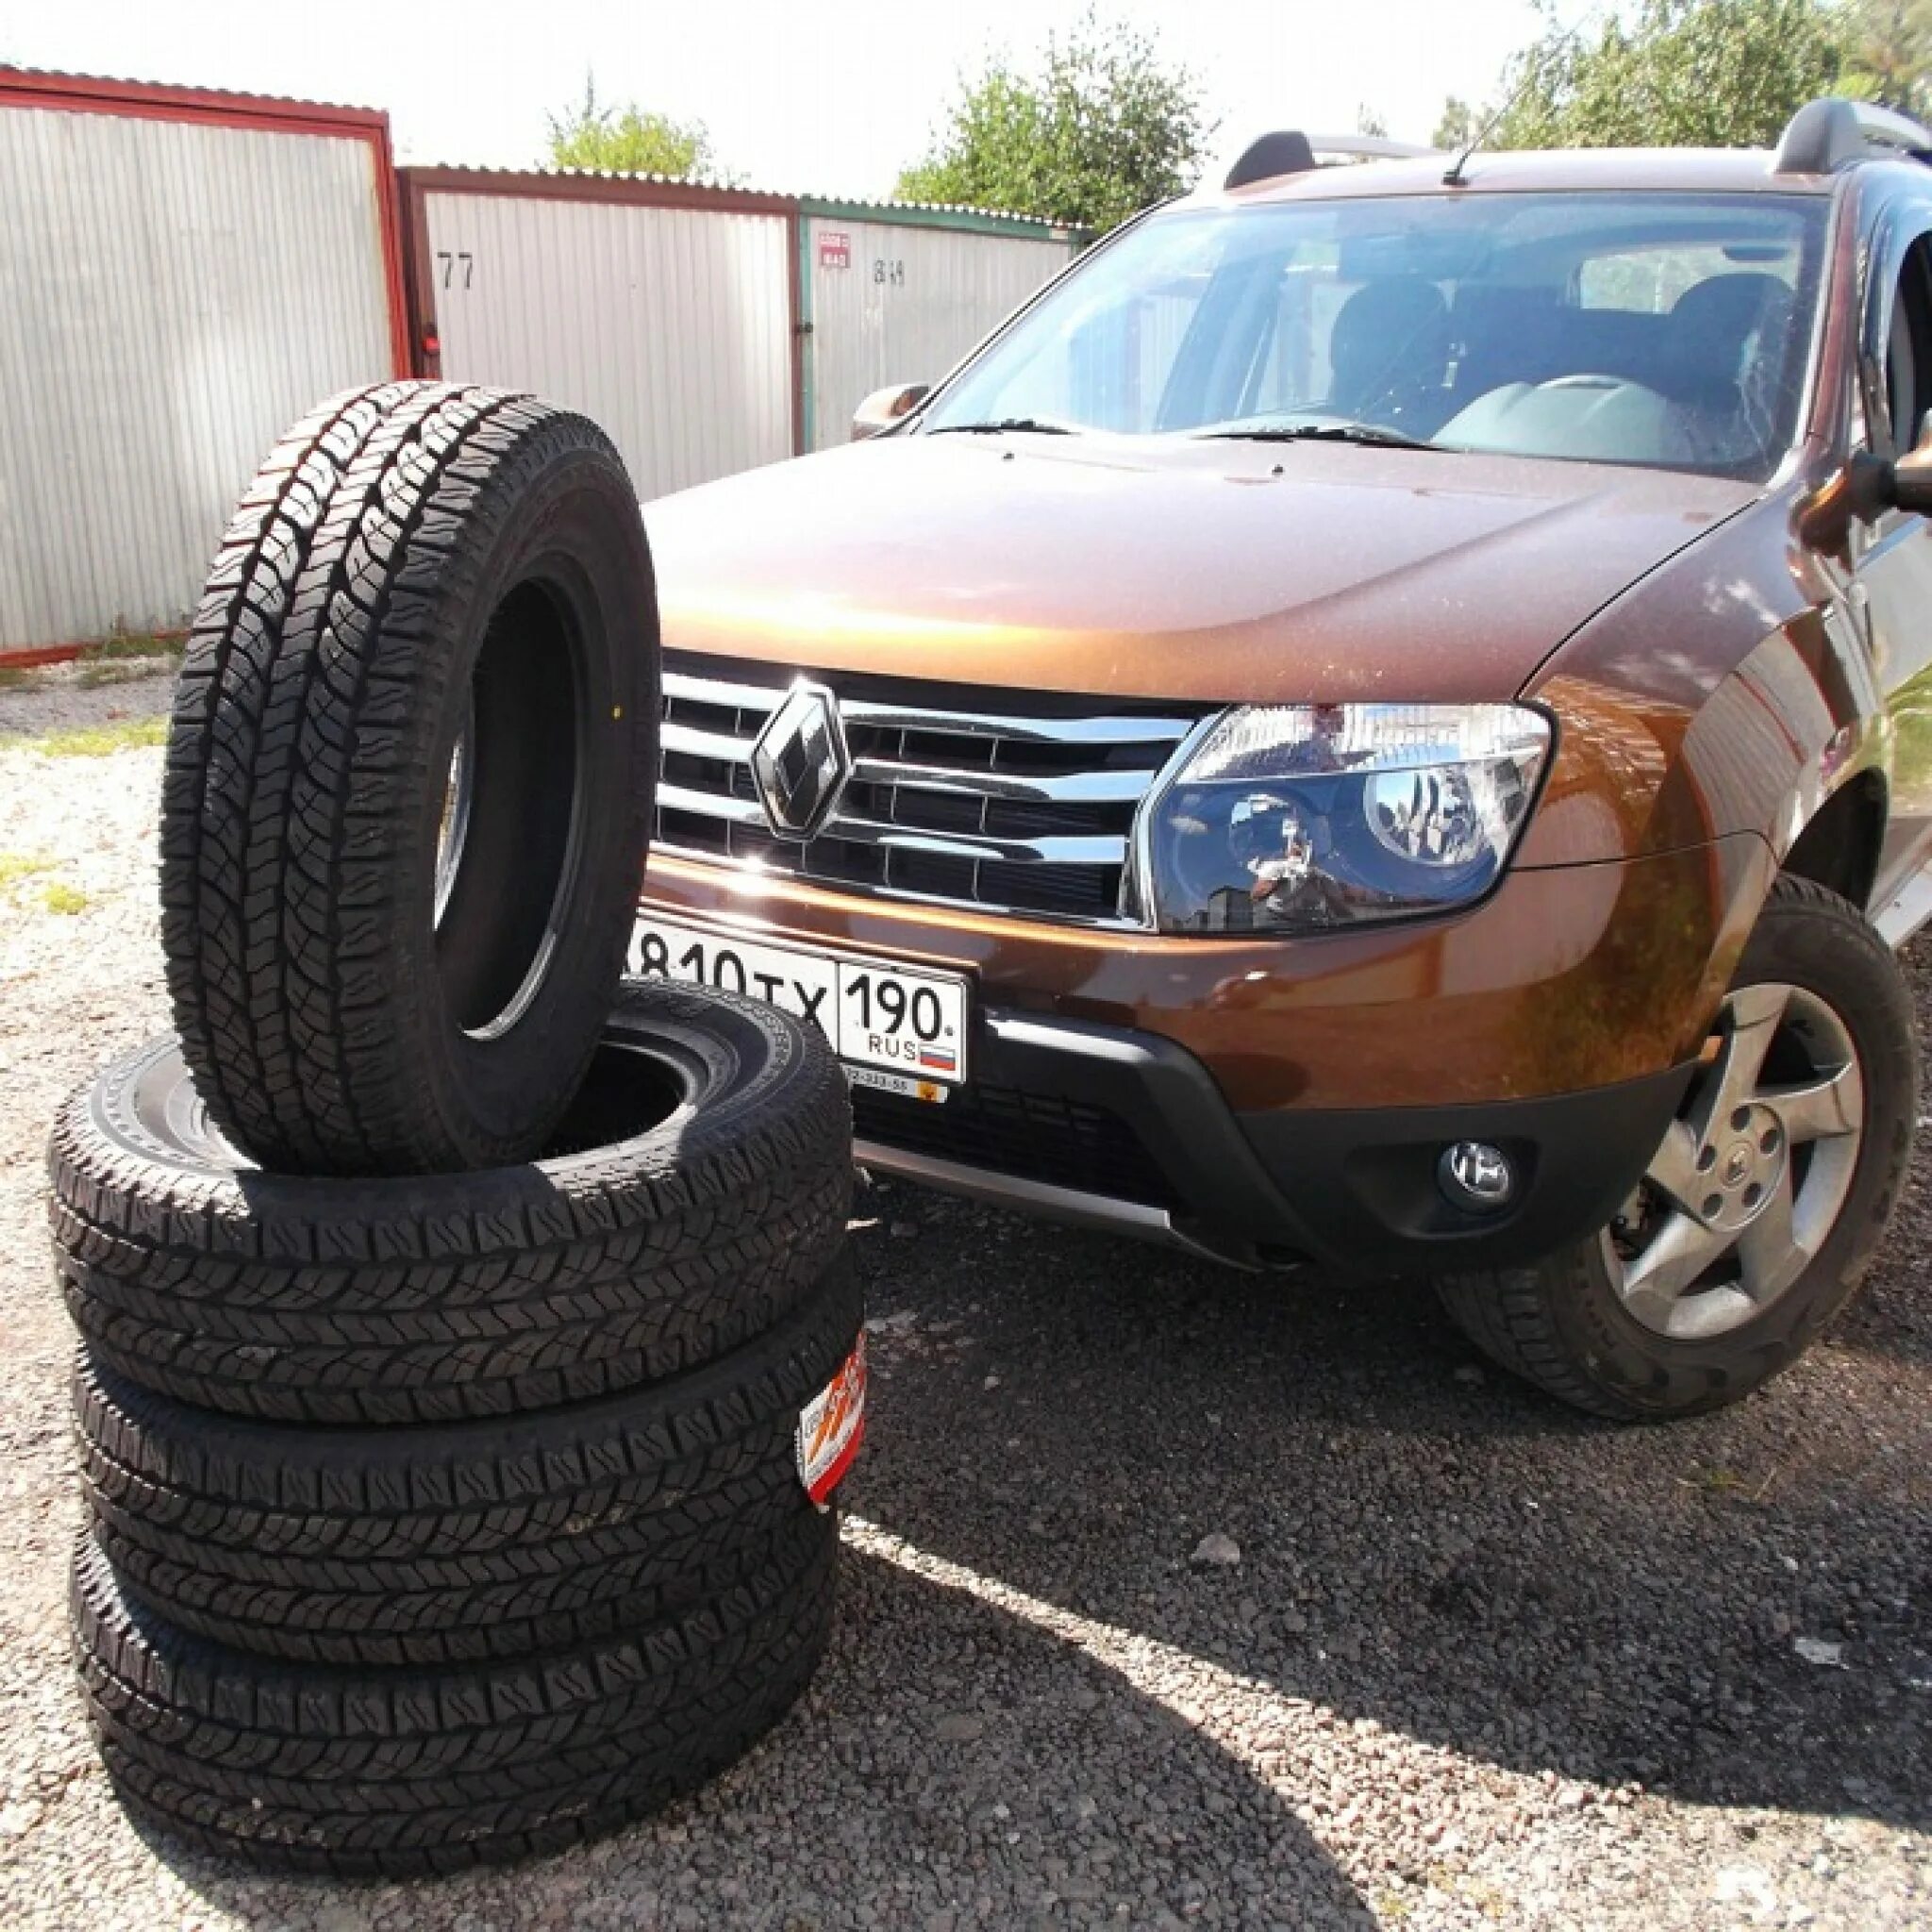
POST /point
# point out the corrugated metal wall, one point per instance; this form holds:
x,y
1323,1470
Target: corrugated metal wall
x,y
902,301
671,326
172,295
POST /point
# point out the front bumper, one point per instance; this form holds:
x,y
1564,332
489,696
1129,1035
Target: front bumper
x,y
1112,1129
1268,1099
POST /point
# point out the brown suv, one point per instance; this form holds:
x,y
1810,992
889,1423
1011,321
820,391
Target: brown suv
x,y
1383,718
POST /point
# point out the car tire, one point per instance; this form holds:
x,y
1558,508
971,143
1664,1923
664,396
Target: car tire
x,y
1604,1325
466,1540
698,1189
408,783
406,1770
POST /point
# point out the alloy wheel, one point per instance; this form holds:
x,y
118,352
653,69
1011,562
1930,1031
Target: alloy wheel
x,y
1752,1174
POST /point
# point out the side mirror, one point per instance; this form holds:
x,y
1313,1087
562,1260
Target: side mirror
x,y
884,407
1911,476
1864,489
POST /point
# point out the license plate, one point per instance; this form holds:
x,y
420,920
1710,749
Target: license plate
x,y
900,1019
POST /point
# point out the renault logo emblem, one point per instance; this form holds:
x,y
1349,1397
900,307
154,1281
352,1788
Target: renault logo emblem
x,y
799,762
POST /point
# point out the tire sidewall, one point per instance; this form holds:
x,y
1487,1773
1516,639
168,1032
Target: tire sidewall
x,y
146,1145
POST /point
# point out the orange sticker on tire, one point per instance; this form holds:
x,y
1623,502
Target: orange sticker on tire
x,y
830,1428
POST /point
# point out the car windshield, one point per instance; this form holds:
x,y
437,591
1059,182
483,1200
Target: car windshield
x,y
1659,329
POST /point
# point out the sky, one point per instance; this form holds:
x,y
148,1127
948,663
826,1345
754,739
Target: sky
x,y
815,96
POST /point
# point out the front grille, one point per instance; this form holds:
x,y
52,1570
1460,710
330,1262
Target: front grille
x,y
950,802
1006,1130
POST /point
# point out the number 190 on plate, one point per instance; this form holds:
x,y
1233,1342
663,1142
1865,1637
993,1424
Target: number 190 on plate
x,y
877,1014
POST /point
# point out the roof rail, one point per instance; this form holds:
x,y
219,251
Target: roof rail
x,y
1291,152
1824,136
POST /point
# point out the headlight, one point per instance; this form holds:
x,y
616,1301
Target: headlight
x,y
1303,818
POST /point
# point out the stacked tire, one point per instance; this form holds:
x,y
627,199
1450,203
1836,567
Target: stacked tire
x,y
470,1354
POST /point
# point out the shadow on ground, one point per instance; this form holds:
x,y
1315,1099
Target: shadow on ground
x,y
1008,1729
1424,1542
953,1763
1423,1545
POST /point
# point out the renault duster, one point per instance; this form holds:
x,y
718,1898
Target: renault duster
x,y
1385,718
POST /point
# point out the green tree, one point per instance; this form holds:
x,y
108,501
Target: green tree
x,y
629,139
1888,53
1456,127
1370,123
1671,74
1100,131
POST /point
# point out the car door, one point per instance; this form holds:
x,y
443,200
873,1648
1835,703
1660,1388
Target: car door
x,y
1895,569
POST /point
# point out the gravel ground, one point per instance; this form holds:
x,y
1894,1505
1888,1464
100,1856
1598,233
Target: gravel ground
x,y
1467,1660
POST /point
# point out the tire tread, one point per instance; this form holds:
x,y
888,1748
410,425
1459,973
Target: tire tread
x,y
464,1541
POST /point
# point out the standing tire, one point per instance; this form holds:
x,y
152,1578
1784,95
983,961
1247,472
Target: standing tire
x,y
461,1541
1760,1211
698,1192
408,783
391,1772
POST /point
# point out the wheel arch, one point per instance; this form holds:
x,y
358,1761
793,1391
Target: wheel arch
x,y
1839,844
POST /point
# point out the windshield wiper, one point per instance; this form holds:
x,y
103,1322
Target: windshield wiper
x,y
1319,432
1004,426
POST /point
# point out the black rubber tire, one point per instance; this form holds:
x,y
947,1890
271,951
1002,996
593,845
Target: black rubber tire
x,y
464,1541
712,1196
1559,1323
398,1771
413,559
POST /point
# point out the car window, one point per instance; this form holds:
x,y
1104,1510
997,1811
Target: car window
x,y
1651,281
1909,349
1659,330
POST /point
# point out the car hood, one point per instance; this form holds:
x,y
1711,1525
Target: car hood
x,y
1171,569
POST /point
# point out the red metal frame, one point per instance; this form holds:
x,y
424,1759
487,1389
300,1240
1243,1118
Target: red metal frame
x,y
634,191
84,94
32,656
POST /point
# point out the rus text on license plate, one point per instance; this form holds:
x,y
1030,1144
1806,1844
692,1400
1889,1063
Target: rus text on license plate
x,y
876,1014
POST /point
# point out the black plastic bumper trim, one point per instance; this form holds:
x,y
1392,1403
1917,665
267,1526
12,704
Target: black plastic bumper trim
x,y
1353,1188
1364,1189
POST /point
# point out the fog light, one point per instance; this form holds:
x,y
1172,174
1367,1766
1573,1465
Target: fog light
x,y
1477,1177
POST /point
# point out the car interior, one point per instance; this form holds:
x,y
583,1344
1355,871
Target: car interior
x,y
1548,327
1530,368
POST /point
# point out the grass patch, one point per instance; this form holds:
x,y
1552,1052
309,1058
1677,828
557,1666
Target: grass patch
x,y
62,898
121,644
116,658
102,740
1714,1481
116,671
15,866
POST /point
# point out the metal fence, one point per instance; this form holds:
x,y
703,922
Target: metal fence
x,y
900,294
662,310
181,274
184,273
